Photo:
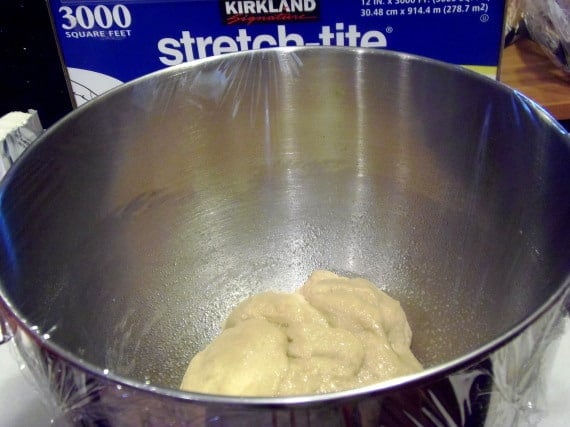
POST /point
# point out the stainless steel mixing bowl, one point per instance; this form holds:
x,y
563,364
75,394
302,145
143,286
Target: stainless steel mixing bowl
x,y
136,223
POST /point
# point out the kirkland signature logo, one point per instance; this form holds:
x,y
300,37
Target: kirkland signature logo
x,y
265,11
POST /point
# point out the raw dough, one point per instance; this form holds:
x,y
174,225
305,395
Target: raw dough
x,y
332,334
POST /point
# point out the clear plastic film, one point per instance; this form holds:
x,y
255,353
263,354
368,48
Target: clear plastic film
x,y
164,203
505,389
547,22
513,21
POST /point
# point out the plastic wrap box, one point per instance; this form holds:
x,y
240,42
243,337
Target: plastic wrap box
x,y
104,43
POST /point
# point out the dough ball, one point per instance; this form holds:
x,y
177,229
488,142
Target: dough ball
x,y
333,334
245,360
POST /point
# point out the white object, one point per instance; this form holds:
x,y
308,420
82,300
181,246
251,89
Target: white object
x,y
17,131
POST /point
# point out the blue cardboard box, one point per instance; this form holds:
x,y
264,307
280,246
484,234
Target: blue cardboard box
x,y
104,43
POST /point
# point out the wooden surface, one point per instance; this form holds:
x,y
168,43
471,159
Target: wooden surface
x,y
526,68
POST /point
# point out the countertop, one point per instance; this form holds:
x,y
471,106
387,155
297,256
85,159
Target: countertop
x,y
526,68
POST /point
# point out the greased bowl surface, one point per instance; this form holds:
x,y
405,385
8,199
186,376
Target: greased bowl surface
x,y
134,225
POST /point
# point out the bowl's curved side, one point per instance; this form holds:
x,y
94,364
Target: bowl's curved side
x,y
136,223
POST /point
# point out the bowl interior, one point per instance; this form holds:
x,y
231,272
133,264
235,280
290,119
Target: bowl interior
x,y
135,225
